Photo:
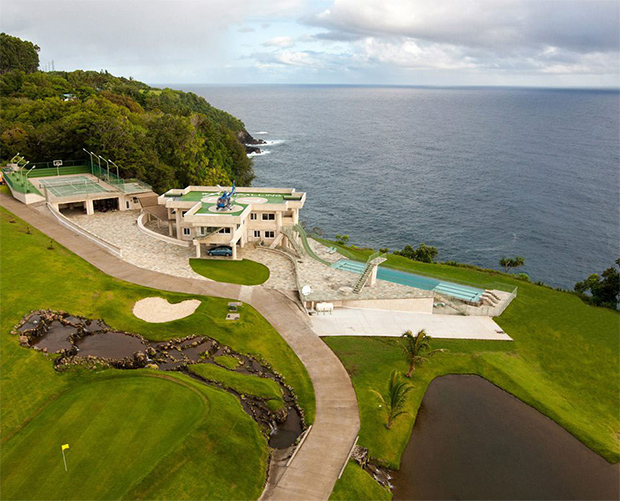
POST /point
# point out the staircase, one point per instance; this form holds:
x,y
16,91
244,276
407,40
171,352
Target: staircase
x,y
374,260
490,298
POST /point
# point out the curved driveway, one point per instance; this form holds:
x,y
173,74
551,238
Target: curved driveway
x,y
314,470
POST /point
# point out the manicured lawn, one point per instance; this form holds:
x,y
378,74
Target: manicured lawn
x,y
119,430
244,272
563,361
243,383
227,361
33,277
356,484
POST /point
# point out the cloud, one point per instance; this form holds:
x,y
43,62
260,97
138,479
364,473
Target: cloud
x,y
282,42
582,25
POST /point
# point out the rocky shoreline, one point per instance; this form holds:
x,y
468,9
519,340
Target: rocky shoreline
x,y
250,143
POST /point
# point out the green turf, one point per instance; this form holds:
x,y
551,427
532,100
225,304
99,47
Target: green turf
x,y
244,272
63,281
356,484
227,361
119,431
563,361
244,383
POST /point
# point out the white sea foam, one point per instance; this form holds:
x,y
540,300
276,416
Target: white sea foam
x,y
261,133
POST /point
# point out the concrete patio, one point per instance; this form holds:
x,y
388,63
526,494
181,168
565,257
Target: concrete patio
x,y
365,322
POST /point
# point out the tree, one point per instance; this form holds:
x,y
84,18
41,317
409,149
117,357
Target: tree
x,y
424,253
511,262
604,290
342,239
18,54
394,404
416,349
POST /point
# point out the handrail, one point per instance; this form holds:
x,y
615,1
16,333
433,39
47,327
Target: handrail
x,y
304,239
65,221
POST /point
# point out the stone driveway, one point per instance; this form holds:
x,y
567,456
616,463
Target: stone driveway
x,y
139,249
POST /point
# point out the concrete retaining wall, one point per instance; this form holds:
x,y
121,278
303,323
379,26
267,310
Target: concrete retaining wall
x,y
159,236
416,304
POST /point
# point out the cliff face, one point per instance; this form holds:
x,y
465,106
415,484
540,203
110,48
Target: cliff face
x,y
249,142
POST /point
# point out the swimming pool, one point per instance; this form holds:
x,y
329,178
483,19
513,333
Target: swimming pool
x,y
458,291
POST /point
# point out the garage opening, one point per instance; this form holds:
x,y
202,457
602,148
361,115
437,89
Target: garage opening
x,y
72,209
105,204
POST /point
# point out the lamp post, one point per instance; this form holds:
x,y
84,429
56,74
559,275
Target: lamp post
x,y
91,159
117,174
107,165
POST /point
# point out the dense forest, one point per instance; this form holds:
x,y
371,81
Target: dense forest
x,y
165,137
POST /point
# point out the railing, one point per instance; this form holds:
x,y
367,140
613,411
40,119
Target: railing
x,y
65,221
373,260
304,240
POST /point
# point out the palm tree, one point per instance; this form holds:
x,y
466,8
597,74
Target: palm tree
x,y
398,388
415,346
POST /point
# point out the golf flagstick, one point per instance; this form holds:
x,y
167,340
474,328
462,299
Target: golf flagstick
x,y
64,460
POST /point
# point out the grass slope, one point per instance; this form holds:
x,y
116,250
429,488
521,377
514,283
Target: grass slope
x,y
356,484
119,428
32,277
563,361
243,383
244,272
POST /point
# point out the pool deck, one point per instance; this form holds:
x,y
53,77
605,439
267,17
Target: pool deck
x,y
366,322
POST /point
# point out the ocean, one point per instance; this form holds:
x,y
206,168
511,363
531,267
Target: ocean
x,y
479,173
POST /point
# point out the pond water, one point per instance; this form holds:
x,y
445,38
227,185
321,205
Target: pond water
x,y
472,440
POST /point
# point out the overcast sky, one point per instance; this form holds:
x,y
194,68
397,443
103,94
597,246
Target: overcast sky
x,y
403,42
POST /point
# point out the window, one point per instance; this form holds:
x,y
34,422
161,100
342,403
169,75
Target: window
x,y
187,231
127,204
270,234
183,213
256,234
135,200
225,230
269,216
253,216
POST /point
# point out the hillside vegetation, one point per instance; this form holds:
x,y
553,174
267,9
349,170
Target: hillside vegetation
x,y
165,137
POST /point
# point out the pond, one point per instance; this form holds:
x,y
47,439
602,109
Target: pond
x,y
472,440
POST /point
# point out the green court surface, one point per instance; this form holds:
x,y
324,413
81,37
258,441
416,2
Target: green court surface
x,y
72,185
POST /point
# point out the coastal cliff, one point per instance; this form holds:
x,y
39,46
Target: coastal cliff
x,y
165,137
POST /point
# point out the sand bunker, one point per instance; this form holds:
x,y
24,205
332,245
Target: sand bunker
x,y
157,310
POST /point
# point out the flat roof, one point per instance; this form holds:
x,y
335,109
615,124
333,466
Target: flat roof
x,y
207,198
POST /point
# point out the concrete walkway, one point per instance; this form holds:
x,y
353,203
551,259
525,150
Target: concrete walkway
x,y
363,322
315,469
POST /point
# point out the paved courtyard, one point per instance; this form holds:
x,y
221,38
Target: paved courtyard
x,y
362,322
139,249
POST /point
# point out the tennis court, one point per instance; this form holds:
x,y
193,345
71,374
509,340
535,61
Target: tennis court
x,y
72,185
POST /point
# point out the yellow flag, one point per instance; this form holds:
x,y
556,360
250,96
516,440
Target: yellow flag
x,y
66,446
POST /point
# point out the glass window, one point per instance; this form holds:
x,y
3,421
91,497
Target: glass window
x,y
256,234
187,231
253,216
269,216
270,234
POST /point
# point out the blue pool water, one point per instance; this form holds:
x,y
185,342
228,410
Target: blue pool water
x,y
411,280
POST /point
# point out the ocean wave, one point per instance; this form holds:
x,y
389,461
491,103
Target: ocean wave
x,y
273,142
261,133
